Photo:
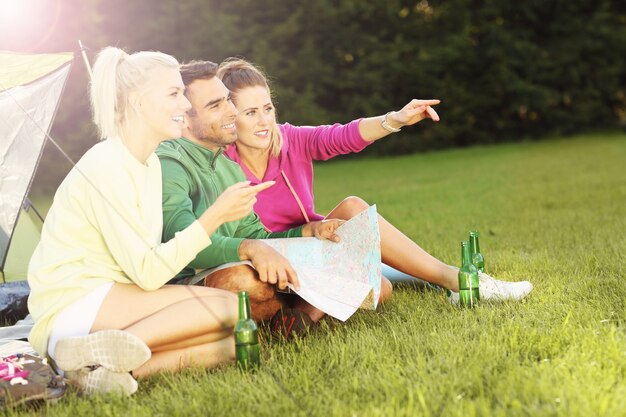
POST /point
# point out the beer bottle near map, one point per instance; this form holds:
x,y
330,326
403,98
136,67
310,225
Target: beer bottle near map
x,y
246,336
468,279
477,258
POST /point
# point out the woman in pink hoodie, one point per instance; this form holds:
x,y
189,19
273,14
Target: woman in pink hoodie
x,y
285,154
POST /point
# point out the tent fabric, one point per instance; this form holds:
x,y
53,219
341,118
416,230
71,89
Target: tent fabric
x,y
20,69
23,242
26,112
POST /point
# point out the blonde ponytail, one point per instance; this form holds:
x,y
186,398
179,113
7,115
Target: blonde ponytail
x,y
115,75
104,101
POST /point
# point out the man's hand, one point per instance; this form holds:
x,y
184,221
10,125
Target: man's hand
x,y
237,200
271,266
324,229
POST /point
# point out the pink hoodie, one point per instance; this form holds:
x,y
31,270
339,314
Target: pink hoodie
x,y
276,206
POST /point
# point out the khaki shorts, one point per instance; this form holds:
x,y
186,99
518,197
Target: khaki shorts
x,y
200,276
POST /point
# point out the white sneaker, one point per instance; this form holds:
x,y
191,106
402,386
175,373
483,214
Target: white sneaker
x,y
115,350
492,289
101,380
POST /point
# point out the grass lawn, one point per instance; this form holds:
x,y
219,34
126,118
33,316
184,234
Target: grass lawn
x,y
553,212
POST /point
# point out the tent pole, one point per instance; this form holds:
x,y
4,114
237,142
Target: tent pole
x,y
84,54
27,205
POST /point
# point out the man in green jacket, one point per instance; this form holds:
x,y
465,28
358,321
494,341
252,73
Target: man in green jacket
x,y
195,172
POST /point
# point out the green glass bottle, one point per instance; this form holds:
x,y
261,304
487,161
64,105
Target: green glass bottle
x,y
477,258
246,335
468,279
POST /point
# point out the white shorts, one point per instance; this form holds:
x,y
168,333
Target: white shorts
x,y
77,318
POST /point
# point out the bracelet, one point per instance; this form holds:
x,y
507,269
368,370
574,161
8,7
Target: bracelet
x,y
387,127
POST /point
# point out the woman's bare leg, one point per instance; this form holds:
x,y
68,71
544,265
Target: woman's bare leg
x,y
399,251
169,319
193,341
206,355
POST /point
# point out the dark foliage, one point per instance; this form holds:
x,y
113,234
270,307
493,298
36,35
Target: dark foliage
x,y
504,70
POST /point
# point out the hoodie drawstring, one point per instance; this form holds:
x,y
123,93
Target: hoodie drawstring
x,y
293,192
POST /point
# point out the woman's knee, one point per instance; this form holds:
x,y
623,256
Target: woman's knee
x,y
354,205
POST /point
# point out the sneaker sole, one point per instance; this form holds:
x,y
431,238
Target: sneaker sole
x,y
114,350
101,380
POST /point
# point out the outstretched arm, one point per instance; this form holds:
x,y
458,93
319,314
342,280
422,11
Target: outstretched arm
x,y
325,142
372,128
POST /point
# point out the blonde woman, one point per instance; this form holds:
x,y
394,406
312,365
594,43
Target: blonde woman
x,y
102,310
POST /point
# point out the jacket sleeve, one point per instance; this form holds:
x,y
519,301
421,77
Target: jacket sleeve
x,y
327,141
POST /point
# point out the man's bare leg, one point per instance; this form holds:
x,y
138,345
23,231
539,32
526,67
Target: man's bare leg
x,y
264,300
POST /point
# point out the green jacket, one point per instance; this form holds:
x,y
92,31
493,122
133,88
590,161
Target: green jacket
x,y
193,178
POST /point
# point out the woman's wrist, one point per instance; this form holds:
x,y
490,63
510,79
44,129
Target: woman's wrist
x,y
391,123
307,230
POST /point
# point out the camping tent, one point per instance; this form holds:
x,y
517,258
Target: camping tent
x,y
30,88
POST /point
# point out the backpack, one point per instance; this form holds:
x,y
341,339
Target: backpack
x,y
25,378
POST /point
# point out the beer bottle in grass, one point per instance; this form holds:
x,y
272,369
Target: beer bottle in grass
x,y
468,279
246,335
477,257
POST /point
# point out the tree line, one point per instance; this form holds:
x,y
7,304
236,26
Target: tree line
x,y
504,70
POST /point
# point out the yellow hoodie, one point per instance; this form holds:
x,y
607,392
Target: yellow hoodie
x,y
105,224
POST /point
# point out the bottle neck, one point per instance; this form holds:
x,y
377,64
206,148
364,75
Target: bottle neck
x,y
474,246
244,306
465,253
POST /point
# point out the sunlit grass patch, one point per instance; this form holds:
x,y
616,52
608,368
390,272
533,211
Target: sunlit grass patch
x,y
552,212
